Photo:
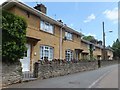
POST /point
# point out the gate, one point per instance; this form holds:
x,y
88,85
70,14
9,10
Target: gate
x,y
27,75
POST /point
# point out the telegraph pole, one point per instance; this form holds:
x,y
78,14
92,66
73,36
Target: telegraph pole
x,y
103,42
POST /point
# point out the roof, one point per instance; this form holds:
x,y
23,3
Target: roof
x,y
88,42
85,41
109,48
8,4
99,46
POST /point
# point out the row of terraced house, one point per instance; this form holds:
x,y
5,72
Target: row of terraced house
x,y
51,39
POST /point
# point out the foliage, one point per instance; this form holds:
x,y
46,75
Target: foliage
x,y
89,38
13,37
116,48
91,52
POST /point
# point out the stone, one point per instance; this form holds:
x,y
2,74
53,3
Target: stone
x,y
11,73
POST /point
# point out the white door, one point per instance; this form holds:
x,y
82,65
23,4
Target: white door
x,y
26,59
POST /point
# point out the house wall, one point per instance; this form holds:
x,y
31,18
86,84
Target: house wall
x,y
85,52
53,40
33,30
71,44
110,54
85,47
97,52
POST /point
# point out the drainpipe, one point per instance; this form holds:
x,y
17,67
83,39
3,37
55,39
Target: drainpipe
x,y
61,41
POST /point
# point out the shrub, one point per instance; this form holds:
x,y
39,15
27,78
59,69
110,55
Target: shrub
x,y
13,37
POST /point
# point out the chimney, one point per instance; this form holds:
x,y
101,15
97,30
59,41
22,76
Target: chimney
x,y
41,8
99,42
60,21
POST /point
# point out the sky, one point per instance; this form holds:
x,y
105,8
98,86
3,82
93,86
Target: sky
x,y
86,17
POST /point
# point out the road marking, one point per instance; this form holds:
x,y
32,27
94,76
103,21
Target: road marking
x,y
99,79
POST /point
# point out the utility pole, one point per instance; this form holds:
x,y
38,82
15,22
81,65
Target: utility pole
x,y
103,42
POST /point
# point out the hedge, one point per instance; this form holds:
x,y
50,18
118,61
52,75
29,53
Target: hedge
x,y
13,37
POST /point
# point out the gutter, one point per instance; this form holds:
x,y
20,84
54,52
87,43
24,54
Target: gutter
x,y
61,39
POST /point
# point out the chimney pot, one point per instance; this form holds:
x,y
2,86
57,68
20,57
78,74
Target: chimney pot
x,y
41,8
60,21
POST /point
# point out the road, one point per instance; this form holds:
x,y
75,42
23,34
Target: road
x,y
105,77
0,75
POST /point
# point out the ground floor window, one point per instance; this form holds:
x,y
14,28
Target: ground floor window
x,y
85,56
46,52
69,55
98,57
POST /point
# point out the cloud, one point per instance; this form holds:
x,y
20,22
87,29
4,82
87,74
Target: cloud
x,y
112,14
90,34
90,18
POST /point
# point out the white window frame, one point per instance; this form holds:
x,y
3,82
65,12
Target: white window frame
x,y
46,26
68,35
69,54
43,54
88,46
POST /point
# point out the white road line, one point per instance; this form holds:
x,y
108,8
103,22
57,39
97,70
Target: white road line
x,y
99,79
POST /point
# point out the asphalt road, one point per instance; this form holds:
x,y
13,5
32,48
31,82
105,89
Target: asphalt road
x,y
0,74
104,77
108,80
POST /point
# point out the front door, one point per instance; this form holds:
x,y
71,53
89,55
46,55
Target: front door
x,y
25,61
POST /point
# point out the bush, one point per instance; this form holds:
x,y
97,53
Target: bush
x,y
13,37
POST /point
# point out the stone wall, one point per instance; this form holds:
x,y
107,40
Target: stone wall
x,y
11,73
108,62
54,69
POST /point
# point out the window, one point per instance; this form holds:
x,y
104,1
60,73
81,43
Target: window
x,y
46,52
69,55
88,46
68,36
45,26
42,25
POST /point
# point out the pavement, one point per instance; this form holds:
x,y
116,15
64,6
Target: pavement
x,y
105,77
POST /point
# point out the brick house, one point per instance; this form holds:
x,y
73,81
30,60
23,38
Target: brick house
x,y
109,53
48,38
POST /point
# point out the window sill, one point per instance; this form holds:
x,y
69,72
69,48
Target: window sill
x,y
46,32
68,40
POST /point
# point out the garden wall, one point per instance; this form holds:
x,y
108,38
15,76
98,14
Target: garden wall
x,y
108,62
11,73
59,69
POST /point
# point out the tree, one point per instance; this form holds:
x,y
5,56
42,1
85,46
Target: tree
x,y
91,46
116,48
13,37
89,38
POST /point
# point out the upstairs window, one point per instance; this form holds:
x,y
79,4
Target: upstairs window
x,y
68,36
47,27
